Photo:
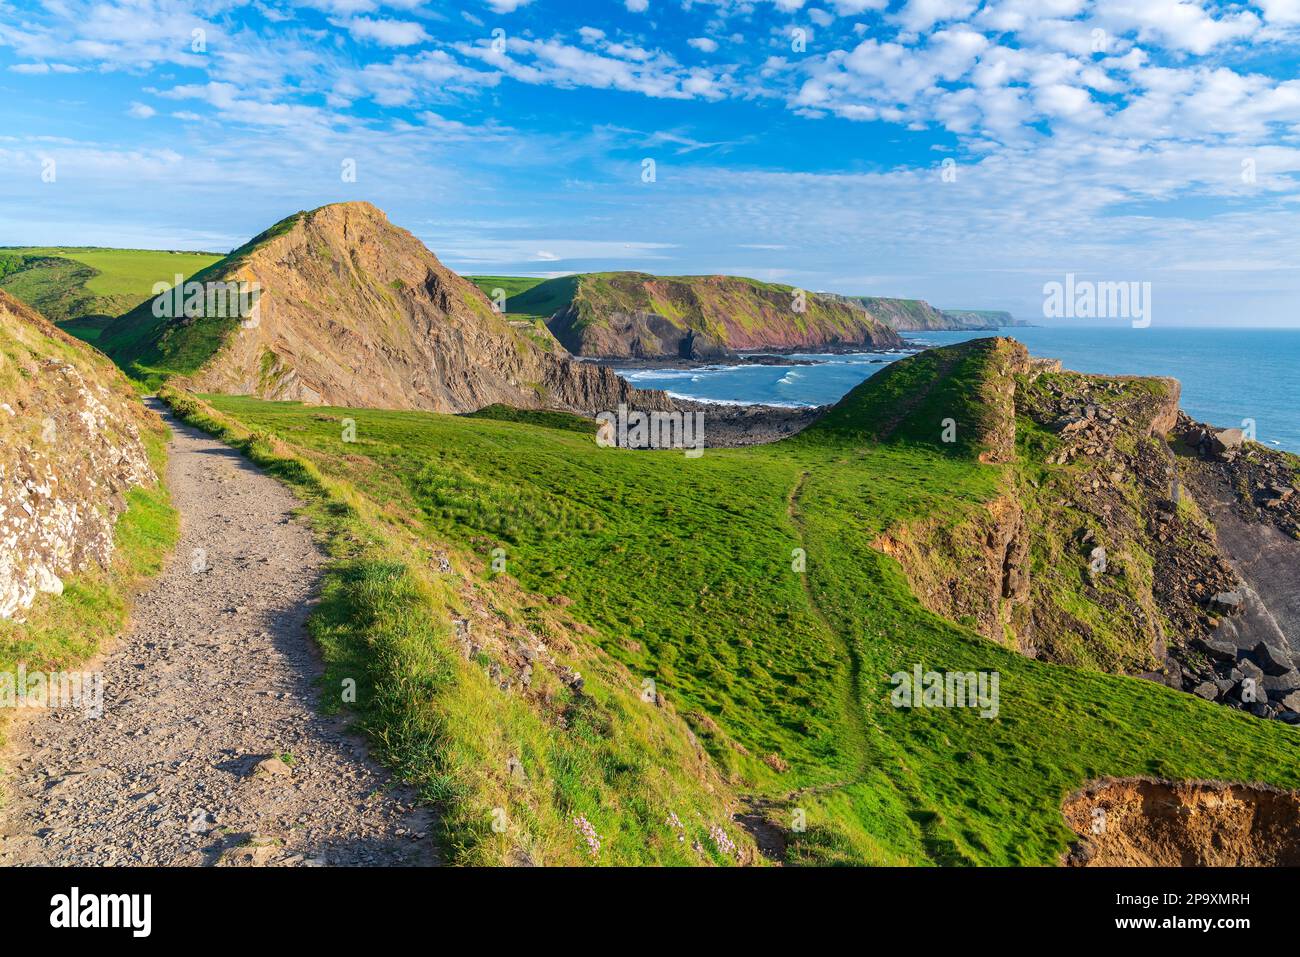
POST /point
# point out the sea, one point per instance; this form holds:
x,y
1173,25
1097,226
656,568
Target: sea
x,y
1230,377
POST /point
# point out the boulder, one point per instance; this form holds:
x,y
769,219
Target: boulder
x,y
1222,650
1273,659
1292,701
1281,684
1227,602
1226,440
1249,669
1207,690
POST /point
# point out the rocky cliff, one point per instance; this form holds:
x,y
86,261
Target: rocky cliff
x,y
70,449
351,310
917,315
1126,538
624,315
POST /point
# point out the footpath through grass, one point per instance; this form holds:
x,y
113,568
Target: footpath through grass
x,y
548,772
686,572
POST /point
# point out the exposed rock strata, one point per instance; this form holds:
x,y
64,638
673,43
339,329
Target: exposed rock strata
x,y
1109,550
355,311
640,316
70,449
1143,822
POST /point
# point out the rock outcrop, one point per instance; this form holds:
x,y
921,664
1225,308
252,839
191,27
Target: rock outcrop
x,y
351,310
1127,538
70,449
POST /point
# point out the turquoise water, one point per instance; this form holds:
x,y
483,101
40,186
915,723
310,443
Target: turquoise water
x,y
1228,375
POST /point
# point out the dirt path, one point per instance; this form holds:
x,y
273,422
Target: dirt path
x,y
215,676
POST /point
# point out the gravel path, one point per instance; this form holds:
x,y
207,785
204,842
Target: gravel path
x,y
215,677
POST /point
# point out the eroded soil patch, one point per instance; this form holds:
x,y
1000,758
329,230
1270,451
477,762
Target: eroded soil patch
x,y
1144,822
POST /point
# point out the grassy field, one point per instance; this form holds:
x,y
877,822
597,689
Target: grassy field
x,y
529,297
518,775
685,572
75,285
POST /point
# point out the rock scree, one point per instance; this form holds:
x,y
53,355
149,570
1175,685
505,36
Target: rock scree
x,y
210,749
1146,822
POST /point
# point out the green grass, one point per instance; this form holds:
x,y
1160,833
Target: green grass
x,y
440,719
69,283
682,571
527,296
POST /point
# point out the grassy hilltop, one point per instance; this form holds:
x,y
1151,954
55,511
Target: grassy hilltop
x,y
83,287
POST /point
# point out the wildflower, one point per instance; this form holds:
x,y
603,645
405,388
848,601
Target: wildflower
x,y
721,841
676,824
588,833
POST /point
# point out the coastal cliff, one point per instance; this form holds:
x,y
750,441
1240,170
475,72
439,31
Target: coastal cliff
x,y
1126,539
631,315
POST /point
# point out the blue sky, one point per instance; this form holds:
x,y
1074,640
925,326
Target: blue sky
x,y
802,142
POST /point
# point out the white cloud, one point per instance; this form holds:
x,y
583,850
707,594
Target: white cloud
x,y
1280,11
919,15
637,6
614,66
703,44
852,8
141,111
387,33
1181,24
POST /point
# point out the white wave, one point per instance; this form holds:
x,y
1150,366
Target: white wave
x,y
713,401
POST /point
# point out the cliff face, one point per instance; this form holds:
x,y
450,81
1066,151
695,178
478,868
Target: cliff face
x,y
70,448
979,319
1110,549
637,315
917,315
355,311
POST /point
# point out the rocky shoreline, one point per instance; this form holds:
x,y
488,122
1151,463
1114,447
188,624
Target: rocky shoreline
x,y
770,357
729,426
